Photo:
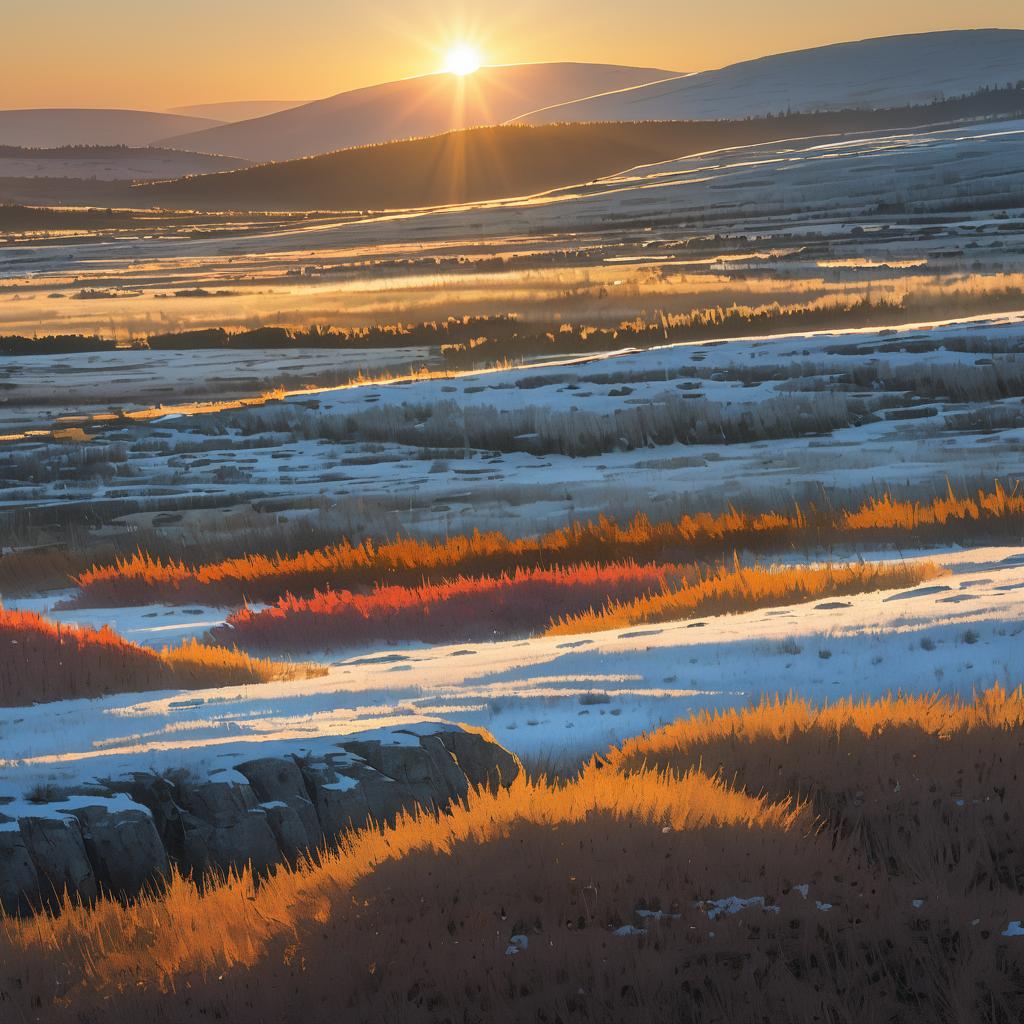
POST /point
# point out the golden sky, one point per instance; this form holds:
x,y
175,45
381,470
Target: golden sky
x,y
154,54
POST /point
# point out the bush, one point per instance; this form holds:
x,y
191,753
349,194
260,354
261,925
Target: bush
x,y
43,661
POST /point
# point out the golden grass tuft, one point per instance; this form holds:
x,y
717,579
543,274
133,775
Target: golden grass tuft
x,y
738,588
142,578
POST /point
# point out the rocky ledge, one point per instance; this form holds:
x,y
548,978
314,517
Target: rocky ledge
x,y
120,837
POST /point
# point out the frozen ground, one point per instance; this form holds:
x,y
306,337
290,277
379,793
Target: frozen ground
x,y
681,426
40,392
559,697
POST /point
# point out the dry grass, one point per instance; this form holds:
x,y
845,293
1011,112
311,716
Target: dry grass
x,y
142,578
577,599
735,588
462,609
43,661
901,817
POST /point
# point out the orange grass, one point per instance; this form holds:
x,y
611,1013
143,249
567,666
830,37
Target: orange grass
x,y
462,609
141,578
184,928
779,719
44,661
901,816
736,588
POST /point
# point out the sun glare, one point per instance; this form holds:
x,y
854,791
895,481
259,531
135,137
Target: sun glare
x,y
462,60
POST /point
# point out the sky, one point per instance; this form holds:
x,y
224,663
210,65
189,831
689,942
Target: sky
x,y
155,54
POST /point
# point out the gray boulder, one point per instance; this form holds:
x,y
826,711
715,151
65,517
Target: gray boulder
x,y
57,850
411,766
124,848
444,760
224,829
19,882
348,795
278,780
484,762
289,830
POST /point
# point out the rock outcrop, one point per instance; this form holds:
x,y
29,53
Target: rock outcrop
x,y
123,847
57,849
263,812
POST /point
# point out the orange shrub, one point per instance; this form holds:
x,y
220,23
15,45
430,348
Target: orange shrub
x,y
462,609
141,579
44,661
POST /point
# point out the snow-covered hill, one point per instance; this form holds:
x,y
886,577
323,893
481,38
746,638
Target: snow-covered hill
x,y
412,107
886,72
236,110
87,127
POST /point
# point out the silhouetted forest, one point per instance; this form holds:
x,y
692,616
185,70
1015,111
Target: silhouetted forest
x,y
54,345
512,160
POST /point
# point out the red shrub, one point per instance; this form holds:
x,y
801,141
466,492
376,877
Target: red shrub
x,y
462,609
43,661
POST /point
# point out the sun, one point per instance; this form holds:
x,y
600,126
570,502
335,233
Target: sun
x,y
462,60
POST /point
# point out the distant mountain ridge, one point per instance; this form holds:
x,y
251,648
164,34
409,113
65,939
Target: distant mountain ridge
x,y
515,160
236,110
412,108
47,128
885,72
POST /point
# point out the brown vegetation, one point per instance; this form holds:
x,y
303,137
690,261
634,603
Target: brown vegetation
x,y
735,588
829,312
462,609
874,880
577,599
141,579
43,661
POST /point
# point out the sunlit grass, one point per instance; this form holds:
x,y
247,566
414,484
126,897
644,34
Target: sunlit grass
x,y
45,661
736,588
142,578
875,841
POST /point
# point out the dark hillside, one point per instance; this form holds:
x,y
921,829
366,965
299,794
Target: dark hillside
x,y
514,160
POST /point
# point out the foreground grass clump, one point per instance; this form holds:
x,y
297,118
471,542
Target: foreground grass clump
x,y
462,609
736,588
142,579
861,862
43,661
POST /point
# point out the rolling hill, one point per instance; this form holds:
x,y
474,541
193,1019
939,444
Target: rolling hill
x,y
236,110
886,72
50,127
109,163
411,108
515,160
